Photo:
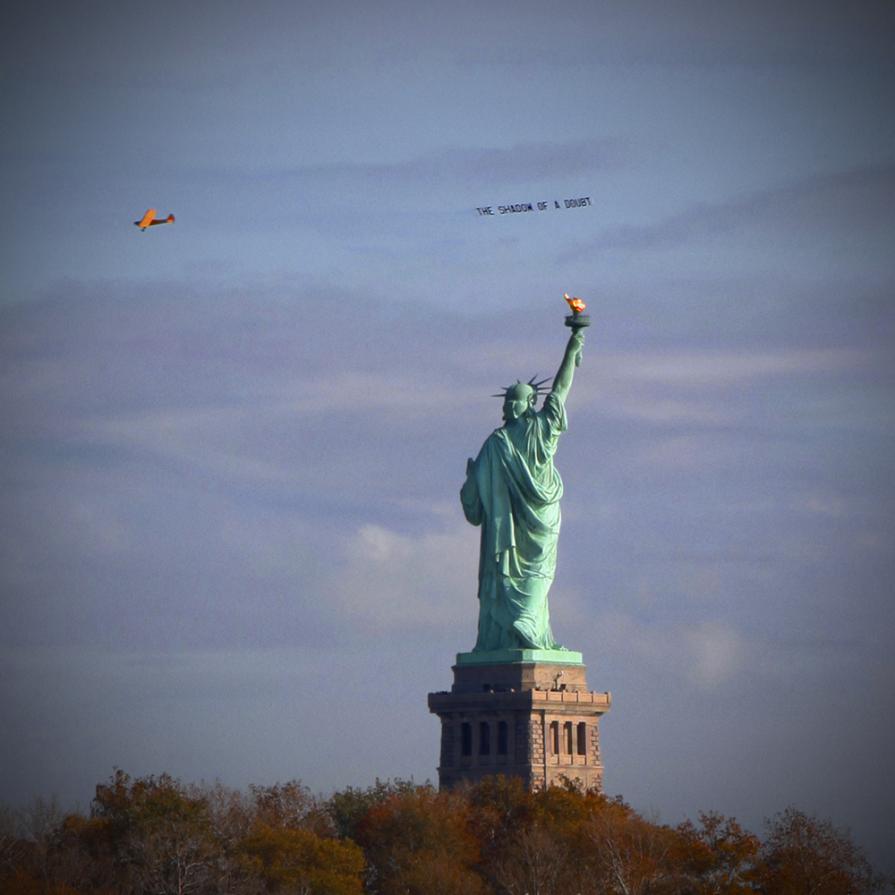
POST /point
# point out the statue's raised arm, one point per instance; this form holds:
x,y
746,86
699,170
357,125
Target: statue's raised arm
x,y
562,382
577,322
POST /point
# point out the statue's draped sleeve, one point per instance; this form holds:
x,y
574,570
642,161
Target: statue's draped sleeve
x,y
471,499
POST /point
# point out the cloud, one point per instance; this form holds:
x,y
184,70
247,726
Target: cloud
x,y
704,389
183,456
400,583
862,198
716,654
679,452
710,370
465,167
637,34
830,505
533,162
233,441
706,654
668,411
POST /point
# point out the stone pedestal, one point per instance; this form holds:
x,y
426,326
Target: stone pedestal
x,y
522,713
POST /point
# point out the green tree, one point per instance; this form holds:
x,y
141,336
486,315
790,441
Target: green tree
x,y
348,807
159,838
298,861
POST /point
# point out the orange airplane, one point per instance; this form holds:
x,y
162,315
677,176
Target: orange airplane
x,y
150,220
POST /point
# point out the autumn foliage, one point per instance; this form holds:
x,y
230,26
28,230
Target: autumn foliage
x,y
158,836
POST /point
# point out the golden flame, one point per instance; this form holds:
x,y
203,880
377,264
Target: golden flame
x,y
576,304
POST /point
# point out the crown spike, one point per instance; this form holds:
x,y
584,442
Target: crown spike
x,y
534,383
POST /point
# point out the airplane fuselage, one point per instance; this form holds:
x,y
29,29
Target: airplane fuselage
x,y
150,220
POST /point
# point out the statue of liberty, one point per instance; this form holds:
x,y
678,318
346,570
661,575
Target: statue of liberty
x,y
512,491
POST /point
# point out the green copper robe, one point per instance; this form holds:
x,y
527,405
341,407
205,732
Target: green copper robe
x,y
513,491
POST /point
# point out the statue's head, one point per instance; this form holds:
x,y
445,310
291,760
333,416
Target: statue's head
x,y
520,399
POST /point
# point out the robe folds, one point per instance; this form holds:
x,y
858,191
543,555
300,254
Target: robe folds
x,y
513,491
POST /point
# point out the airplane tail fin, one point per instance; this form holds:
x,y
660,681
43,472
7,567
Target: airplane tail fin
x,y
170,218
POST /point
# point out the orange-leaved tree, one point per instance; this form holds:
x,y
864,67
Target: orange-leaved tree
x,y
718,857
628,854
420,842
803,855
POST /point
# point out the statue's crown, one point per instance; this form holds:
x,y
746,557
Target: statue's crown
x,y
520,391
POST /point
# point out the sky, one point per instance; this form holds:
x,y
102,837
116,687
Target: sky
x,y
232,546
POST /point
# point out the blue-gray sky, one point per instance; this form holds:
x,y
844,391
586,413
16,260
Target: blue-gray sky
x,y
231,540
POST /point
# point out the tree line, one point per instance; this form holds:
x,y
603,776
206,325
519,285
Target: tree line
x,y
158,836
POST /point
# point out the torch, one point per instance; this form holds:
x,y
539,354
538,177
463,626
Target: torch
x,y
576,320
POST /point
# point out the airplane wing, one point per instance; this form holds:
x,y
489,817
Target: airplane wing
x,y
146,220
